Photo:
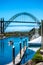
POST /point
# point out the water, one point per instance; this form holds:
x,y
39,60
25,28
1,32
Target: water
x,y
6,50
27,56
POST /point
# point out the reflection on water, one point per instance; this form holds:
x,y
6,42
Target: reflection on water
x,y
6,50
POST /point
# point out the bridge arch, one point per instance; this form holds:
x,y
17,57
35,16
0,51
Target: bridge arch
x,y
19,14
23,13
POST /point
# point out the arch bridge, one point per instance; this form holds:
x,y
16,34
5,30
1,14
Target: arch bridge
x,y
5,24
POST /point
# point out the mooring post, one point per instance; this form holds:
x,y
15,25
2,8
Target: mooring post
x,y
20,50
26,47
13,51
23,46
26,44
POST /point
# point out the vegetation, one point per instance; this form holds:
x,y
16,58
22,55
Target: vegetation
x,y
29,33
37,57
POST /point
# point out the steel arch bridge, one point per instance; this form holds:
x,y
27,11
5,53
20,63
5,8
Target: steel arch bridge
x,y
19,14
6,23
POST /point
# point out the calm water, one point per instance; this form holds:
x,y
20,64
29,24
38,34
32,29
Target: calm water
x,y
6,50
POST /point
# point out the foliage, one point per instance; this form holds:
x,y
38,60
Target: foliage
x,y
37,57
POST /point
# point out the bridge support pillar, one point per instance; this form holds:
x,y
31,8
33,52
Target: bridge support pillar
x,y
1,27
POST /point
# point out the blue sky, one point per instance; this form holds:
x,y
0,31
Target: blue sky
x,y
8,8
